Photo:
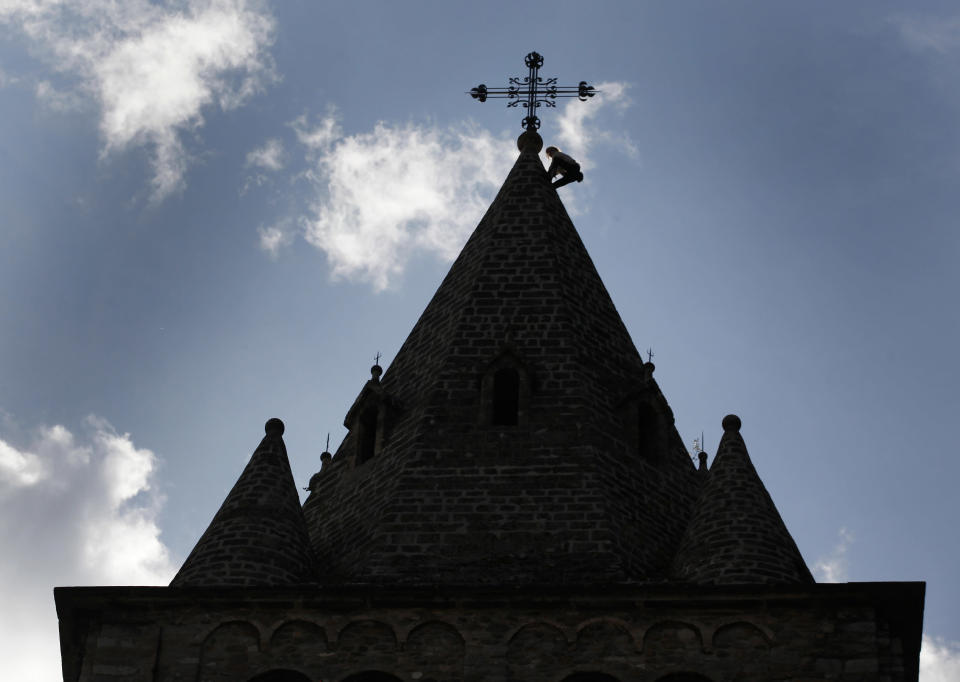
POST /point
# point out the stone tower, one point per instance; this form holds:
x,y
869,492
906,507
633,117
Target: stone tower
x,y
511,502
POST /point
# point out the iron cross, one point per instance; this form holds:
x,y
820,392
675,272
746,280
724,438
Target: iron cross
x,y
534,91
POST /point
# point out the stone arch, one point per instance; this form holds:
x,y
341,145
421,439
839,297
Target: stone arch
x,y
740,635
537,644
298,641
365,637
601,639
229,651
436,649
435,640
668,636
371,676
280,675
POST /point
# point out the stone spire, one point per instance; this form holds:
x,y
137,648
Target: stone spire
x,y
258,537
736,535
518,437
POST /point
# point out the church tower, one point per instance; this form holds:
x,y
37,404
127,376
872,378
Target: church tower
x,y
512,502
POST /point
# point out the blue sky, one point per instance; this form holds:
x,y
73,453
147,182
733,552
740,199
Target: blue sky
x,y
213,212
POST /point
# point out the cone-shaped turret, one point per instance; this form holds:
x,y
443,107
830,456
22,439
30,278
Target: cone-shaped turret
x,y
258,537
517,436
736,535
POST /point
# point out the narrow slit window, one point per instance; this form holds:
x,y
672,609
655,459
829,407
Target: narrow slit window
x,y
367,444
647,430
506,397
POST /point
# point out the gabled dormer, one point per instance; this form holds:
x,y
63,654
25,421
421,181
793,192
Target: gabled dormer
x,y
368,419
647,419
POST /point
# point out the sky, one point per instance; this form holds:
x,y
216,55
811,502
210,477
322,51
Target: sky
x,y
214,212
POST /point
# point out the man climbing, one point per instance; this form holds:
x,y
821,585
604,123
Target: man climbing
x,y
563,165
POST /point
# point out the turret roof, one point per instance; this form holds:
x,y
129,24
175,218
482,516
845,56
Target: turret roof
x,y
563,495
258,537
737,535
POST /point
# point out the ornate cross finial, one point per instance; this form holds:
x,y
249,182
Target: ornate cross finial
x,y
535,90
377,360
649,354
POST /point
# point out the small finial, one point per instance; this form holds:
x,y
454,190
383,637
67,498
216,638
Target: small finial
x,y
530,141
325,456
649,354
731,423
273,427
376,371
703,460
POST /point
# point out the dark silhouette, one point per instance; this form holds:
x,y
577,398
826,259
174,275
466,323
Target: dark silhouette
x,y
563,165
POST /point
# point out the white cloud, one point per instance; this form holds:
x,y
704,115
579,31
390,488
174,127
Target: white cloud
x,y
833,567
152,68
940,34
85,514
382,197
64,101
578,136
269,157
19,469
321,136
275,237
939,660
385,195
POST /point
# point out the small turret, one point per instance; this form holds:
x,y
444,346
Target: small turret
x,y
259,536
736,535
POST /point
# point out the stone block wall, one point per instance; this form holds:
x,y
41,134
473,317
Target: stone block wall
x,y
853,632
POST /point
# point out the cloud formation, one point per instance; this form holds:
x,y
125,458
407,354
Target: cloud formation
x,y
269,157
275,237
74,509
939,660
578,134
380,197
153,69
833,567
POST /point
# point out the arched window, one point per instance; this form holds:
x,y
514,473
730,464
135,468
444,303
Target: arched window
x,y
506,397
280,676
505,391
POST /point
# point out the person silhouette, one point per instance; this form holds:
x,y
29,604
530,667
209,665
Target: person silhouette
x,y
563,165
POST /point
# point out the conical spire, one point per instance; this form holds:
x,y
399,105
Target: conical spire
x,y
258,537
736,535
460,485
